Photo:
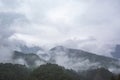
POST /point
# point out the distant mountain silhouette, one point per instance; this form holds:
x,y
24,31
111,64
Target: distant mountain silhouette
x,y
30,59
71,58
116,53
79,56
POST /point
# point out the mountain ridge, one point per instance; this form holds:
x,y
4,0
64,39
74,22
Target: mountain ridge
x,y
74,59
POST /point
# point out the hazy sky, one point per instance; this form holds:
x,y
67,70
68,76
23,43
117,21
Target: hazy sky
x,y
92,25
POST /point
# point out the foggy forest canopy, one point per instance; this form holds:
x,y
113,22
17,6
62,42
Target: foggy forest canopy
x,y
52,72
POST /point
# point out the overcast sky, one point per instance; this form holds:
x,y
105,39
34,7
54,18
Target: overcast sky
x,y
92,25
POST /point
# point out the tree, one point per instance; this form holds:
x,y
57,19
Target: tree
x,y
13,72
53,72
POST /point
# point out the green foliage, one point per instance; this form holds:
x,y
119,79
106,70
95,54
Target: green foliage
x,y
97,74
53,72
13,72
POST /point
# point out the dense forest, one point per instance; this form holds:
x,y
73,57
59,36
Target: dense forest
x,y
52,72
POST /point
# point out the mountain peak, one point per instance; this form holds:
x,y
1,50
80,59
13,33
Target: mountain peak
x,y
58,48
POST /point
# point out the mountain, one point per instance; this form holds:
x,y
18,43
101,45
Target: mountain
x,y
75,59
33,49
31,60
116,52
81,60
